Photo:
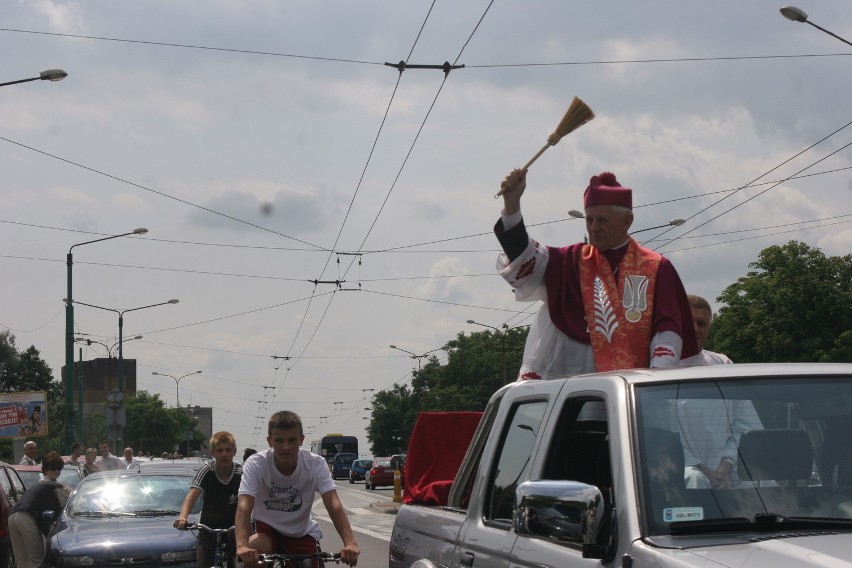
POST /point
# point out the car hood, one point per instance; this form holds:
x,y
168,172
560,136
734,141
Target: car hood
x,y
118,535
794,550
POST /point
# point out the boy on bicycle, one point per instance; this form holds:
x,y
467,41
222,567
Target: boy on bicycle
x,y
277,492
219,480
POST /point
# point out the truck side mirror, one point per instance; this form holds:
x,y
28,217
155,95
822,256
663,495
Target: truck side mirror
x,y
563,512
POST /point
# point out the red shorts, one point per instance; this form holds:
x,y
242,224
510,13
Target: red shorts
x,y
289,544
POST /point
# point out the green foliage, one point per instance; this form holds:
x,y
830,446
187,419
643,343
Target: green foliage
x,y
27,371
795,307
478,365
150,425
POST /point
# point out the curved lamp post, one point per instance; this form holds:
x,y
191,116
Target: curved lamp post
x,y
798,15
673,223
109,349
120,332
177,384
69,334
177,397
503,330
47,75
419,358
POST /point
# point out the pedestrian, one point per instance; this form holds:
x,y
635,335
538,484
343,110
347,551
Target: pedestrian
x,y
129,461
248,453
76,454
107,461
30,453
90,465
28,527
609,304
219,482
277,493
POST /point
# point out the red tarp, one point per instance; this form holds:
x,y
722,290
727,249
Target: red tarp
x,y
435,452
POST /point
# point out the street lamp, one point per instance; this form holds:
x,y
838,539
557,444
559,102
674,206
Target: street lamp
x,y
503,330
177,395
672,223
120,332
419,358
48,75
109,349
798,15
69,334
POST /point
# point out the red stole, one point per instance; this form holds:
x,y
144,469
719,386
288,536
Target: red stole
x,y
619,307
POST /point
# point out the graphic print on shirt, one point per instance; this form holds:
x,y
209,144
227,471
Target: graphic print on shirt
x,y
287,499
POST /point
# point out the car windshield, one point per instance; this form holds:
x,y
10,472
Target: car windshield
x,y
69,476
744,451
381,463
129,495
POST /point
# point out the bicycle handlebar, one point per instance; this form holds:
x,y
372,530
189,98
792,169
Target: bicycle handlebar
x,y
193,526
272,559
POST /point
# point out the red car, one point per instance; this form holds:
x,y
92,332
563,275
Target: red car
x,y
381,474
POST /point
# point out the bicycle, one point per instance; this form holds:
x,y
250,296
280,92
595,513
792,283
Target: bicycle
x,y
221,556
299,560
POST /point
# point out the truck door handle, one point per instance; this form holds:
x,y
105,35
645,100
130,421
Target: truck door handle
x,y
466,559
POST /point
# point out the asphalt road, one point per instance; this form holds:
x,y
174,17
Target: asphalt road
x,y
371,524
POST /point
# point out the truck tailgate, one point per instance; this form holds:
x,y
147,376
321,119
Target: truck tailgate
x,y
425,532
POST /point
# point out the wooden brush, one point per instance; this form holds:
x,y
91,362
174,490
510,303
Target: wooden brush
x,y
577,115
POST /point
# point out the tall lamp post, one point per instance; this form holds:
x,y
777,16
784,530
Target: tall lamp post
x,y
177,394
48,75
120,332
69,335
503,330
798,15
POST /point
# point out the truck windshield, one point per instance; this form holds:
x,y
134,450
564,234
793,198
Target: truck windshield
x,y
745,450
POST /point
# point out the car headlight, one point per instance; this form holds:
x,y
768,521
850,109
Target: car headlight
x,y
182,556
74,560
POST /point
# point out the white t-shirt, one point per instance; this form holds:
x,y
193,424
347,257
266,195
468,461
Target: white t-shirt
x,y
284,501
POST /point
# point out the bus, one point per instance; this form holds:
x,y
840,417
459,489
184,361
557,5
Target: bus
x,y
332,444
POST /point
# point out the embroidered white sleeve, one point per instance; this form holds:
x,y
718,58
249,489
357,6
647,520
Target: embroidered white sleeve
x,y
665,349
526,273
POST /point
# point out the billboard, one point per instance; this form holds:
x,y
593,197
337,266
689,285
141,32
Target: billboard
x,y
23,414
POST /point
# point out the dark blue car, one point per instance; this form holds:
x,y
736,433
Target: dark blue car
x,y
125,517
359,470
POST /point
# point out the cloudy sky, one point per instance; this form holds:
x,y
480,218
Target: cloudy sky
x,y
271,154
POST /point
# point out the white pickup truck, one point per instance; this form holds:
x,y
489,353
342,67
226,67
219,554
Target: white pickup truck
x,y
721,466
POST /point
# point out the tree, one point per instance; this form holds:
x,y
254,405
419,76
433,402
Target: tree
x,y
27,371
394,413
795,307
150,425
473,372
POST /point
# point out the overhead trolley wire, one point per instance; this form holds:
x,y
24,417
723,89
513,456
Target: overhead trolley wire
x,y
345,219
160,193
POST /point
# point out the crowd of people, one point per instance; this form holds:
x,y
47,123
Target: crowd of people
x,y
268,498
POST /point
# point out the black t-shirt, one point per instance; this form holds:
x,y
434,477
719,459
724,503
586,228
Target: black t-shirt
x,y
220,499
